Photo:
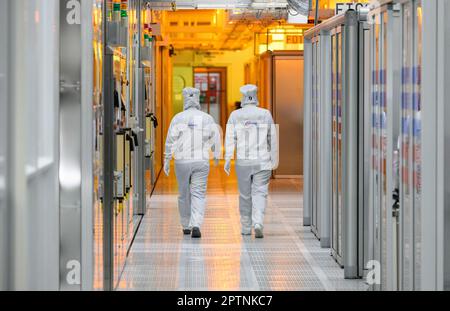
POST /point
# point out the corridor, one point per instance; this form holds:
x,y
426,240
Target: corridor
x,y
288,258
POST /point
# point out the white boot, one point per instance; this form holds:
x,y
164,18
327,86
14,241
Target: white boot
x,y
259,234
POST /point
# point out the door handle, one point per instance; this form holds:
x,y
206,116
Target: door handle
x,y
396,205
154,120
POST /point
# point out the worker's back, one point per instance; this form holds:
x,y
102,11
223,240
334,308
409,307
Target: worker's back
x,y
193,132
252,132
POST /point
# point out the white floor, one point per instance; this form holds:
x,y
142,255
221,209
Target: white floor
x,y
288,258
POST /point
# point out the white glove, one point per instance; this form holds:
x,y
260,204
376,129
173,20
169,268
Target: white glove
x,y
167,167
228,167
216,162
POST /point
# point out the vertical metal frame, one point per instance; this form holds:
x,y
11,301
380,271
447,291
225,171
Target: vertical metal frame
x,y
138,91
369,105
350,146
443,94
410,279
336,221
435,213
374,251
76,147
389,54
5,236
70,148
320,111
140,116
153,91
406,259
87,143
307,148
417,140
141,137
315,212
325,116
364,148
108,159
393,97
433,91
17,188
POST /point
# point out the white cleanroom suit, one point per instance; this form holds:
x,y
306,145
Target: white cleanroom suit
x,y
252,133
192,135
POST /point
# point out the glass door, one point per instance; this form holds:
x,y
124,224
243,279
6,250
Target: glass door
x,y
212,85
334,198
339,104
410,188
315,136
375,135
406,173
383,145
336,207
417,142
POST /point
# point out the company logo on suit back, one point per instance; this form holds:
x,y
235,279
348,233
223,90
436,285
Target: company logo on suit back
x,y
192,125
250,123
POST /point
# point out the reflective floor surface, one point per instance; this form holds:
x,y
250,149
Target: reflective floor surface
x,y
288,258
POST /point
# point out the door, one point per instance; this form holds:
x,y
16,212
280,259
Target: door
x,y
211,82
336,214
375,175
381,130
386,100
315,136
410,151
288,112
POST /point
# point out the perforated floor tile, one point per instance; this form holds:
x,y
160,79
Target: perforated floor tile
x,y
288,258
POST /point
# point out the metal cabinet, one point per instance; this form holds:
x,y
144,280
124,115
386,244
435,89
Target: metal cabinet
x,y
384,66
337,151
408,71
410,147
337,135
425,145
388,202
124,72
316,47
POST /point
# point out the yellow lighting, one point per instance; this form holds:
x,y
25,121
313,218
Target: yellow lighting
x,y
278,37
276,46
419,14
262,48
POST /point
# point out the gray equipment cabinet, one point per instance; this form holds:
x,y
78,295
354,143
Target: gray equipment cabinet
x,y
409,72
385,69
336,138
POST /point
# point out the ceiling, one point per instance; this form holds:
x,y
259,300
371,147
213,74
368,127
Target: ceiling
x,y
219,29
225,24
218,4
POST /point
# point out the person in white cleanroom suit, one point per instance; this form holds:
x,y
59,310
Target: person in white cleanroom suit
x,y
251,131
192,135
